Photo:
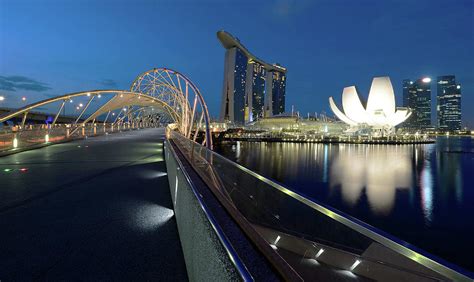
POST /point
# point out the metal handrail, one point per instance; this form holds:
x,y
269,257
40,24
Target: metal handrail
x,y
233,256
444,268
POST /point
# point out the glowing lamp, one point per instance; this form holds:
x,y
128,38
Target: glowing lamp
x,y
356,263
320,252
277,239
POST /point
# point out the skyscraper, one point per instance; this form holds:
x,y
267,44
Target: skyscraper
x,y
252,88
235,73
255,90
448,103
275,93
417,97
407,83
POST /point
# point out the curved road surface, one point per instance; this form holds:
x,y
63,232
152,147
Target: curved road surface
x,y
95,209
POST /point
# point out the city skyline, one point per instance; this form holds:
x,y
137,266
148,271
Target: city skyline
x,y
105,52
223,140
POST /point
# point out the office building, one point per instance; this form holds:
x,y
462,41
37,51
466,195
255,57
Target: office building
x,y
417,97
448,103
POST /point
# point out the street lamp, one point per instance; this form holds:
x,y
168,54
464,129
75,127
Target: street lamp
x,y
23,98
2,98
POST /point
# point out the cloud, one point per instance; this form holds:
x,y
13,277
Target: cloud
x,y
51,95
108,83
286,8
17,82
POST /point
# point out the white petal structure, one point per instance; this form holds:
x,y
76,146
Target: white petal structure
x,y
380,111
353,106
340,114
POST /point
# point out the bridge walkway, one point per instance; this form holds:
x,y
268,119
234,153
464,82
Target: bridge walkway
x,y
94,209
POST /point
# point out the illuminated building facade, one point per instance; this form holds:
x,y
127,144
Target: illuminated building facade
x,y
255,90
448,103
235,74
380,113
417,97
252,88
275,99
407,85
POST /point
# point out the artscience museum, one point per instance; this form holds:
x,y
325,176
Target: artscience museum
x,y
379,114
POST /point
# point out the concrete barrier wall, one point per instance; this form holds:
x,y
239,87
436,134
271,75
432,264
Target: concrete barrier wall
x,y
205,256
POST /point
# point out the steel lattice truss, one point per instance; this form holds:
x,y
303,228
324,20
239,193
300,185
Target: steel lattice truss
x,y
159,92
184,99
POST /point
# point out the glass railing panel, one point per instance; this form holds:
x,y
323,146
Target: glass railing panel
x,y
313,239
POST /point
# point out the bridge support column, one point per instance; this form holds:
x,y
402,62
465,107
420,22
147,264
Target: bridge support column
x,y
15,141
23,120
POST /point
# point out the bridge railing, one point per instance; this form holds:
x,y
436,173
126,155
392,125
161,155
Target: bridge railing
x,y
312,239
14,138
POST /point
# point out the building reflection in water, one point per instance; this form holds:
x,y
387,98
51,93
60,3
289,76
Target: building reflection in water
x,y
380,170
363,174
418,193
426,186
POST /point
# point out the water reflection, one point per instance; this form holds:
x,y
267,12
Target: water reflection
x,y
426,186
418,193
376,170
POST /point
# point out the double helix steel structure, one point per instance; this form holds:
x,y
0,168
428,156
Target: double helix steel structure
x,y
160,94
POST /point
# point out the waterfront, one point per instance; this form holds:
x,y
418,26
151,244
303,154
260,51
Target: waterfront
x,y
420,193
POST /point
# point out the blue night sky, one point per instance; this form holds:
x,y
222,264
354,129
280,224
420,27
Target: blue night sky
x,y
54,47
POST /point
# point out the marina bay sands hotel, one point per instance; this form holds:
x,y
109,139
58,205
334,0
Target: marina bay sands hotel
x,y
252,88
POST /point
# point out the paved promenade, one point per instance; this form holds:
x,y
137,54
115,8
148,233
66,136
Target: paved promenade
x,y
95,209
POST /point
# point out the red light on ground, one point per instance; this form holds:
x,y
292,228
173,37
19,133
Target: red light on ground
x,y
23,169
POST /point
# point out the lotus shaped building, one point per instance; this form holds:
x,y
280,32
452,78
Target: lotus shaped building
x,y
380,111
